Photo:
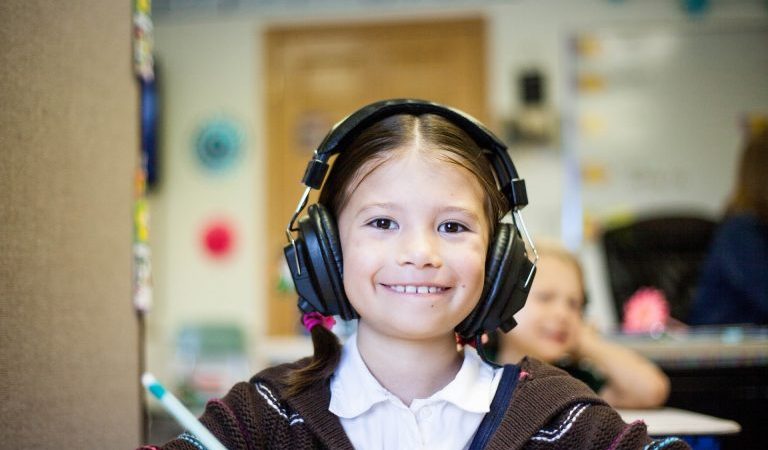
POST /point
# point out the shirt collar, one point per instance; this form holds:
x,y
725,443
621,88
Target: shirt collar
x,y
354,390
474,386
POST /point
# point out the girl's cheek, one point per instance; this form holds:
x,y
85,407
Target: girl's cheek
x,y
474,251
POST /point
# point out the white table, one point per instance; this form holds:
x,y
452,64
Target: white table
x,y
679,422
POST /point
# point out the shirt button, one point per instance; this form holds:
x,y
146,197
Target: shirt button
x,y
425,413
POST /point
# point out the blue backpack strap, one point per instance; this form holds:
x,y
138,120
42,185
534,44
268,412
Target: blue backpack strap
x,y
491,421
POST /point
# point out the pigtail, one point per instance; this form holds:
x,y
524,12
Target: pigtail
x,y
327,353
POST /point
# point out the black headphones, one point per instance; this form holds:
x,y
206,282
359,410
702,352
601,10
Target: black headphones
x,y
314,256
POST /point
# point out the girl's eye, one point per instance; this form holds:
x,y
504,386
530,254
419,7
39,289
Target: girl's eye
x,y
544,297
451,227
575,304
383,224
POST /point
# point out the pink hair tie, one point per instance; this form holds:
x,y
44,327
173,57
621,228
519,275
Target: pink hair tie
x,y
465,341
310,320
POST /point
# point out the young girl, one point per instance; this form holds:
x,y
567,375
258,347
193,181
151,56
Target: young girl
x,y
413,206
551,328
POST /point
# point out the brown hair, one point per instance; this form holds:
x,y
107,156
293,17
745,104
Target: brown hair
x,y
751,193
554,249
374,146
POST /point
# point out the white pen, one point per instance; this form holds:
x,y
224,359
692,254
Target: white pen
x,y
180,413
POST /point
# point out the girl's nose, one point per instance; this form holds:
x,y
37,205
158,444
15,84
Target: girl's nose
x,y
420,249
560,309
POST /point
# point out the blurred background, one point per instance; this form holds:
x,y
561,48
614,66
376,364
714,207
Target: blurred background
x,y
615,112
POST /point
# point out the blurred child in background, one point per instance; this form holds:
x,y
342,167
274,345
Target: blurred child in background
x,y
551,328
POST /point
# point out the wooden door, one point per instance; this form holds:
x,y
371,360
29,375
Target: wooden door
x,y
316,75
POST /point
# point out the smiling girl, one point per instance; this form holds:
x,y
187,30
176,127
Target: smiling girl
x,y
412,204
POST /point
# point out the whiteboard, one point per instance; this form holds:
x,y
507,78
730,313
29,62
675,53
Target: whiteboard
x,y
654,117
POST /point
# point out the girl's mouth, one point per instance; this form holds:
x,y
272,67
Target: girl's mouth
x,y
415,289
560,338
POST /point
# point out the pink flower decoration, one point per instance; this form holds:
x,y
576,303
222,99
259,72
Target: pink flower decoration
x,y
646,311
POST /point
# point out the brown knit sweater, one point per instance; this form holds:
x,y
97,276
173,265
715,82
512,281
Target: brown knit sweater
x,y
548,410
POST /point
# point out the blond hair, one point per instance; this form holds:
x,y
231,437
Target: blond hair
x,y
555,249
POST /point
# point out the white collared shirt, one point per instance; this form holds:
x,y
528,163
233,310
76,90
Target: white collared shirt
x,y
374,418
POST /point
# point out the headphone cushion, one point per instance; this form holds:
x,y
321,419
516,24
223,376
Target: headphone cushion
x,y
510,291
497,252
324,226
505,259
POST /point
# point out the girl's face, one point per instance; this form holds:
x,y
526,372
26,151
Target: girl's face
x,y
549,323
414,237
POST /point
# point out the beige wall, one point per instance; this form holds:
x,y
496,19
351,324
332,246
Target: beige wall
x,y
69,143
214,64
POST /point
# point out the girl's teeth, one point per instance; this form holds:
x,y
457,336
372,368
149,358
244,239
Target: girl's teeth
x,y
403,289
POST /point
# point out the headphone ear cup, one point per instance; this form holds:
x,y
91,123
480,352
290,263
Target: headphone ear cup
x,y
324,250
506,270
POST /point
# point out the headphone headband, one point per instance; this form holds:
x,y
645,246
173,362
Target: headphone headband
x,y
347,130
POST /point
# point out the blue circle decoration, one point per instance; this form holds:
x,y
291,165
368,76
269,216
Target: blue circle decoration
x,y
696,7
218,144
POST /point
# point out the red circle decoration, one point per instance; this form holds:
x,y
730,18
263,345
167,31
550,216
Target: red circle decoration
x,y
218,239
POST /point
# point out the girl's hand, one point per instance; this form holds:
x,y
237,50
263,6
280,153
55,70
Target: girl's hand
x,y
632,380
588,341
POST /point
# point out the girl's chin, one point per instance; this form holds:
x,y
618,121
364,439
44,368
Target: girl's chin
x,y
552,354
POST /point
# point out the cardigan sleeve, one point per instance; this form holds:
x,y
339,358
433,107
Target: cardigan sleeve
x,y
596,427
230,419
252,416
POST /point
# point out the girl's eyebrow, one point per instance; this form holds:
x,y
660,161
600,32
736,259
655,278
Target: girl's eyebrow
x,y
376,205
468,213
463,211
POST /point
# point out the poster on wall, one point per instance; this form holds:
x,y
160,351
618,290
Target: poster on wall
x,y
143,64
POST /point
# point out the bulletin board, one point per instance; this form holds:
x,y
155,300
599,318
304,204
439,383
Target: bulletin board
x,y
654,117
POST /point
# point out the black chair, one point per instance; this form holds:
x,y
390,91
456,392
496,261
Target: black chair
x,y
665,252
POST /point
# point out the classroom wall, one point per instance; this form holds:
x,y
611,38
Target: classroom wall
x,y
213,63
69,345
206,74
